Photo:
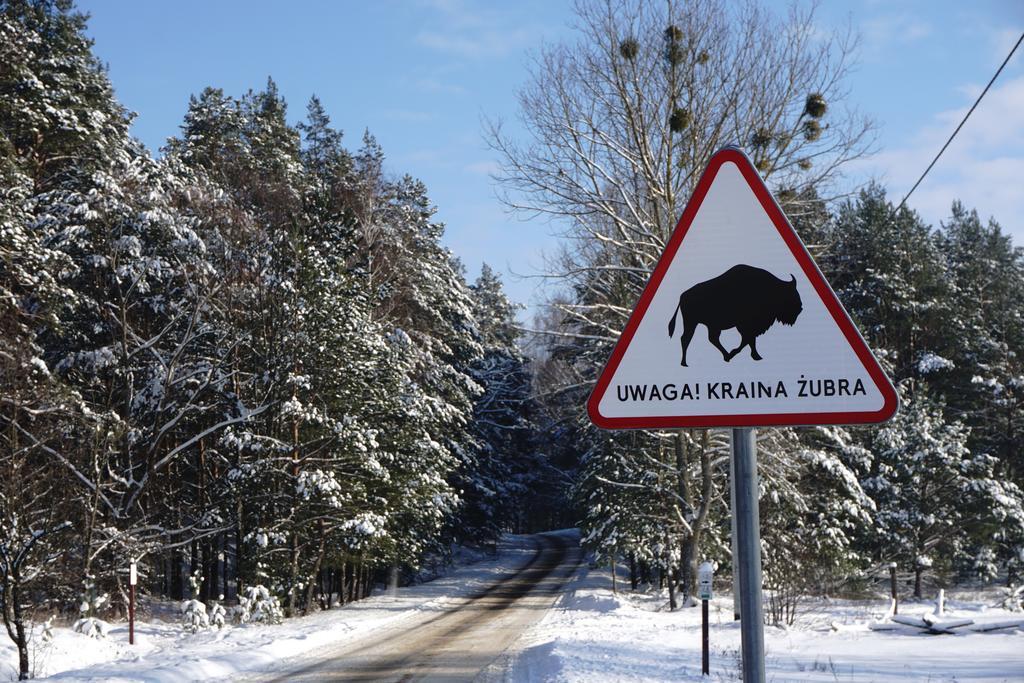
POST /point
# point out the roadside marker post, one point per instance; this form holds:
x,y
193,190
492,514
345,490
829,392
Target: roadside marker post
x,y
705,579
133,578
780,351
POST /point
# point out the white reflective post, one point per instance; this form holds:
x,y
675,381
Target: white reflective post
x,y
133,577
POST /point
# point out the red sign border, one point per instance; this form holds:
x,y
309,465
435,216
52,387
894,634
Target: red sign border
x,y
810,269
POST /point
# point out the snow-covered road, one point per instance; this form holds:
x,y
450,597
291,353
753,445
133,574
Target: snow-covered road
x,y
456,641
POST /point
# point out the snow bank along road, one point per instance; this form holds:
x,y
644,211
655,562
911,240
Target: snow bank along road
x,y
596,636
460,641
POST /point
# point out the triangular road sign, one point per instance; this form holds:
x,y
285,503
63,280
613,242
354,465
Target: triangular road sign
x,y
737,327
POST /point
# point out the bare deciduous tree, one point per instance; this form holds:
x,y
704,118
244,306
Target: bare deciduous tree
x,y
620,125
622,122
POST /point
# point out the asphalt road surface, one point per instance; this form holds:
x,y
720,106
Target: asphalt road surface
x,y
461,642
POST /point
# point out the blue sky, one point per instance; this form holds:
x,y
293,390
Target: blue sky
x,y
421,75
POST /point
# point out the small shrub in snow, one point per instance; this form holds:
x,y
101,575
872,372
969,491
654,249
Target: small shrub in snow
x,y
218,615
194,616
91,602
1013,598
92,627
259,606
47,630
193,612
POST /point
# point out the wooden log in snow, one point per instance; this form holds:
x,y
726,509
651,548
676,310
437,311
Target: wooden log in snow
x,y
930,624
997,625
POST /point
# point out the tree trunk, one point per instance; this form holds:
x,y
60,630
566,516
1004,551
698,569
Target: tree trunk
x,y
633,577
177,584
23,666
393,579
672,605
357,580
223,558
707,495
207,588
688,549
314,573
239,567
93,512
21,638
688,565
193,566
293,568
615,586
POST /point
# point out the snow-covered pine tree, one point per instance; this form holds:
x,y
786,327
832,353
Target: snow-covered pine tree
x,y
933,494
52,91
813,514
37,416
918,296
68,137
418,290
246,150
506,468
981,370
886,269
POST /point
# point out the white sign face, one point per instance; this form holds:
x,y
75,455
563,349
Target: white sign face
x,y
705,577
133,576
737,327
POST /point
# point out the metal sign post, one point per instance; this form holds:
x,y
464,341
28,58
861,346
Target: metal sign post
x,y
732,542
132,580
748,564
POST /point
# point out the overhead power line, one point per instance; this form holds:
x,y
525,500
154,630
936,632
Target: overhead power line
x,y
962,122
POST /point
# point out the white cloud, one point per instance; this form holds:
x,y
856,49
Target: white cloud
x,y
474,32
992,186
424,156
486,168
476,44
408,116
983,167
434,85
890,30
1003,41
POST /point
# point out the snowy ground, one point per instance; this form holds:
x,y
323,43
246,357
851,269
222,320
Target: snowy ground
x,y
594,635
591,635
165,653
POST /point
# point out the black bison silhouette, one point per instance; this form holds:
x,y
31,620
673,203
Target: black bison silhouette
x,y
747,298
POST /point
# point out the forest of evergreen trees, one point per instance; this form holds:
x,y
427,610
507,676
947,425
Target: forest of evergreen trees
x,y
249,361
246,362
